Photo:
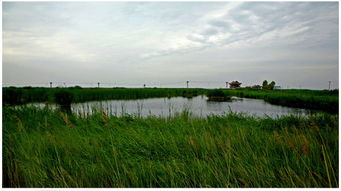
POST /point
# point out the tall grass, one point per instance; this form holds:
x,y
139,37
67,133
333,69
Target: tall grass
x,y
45,148
310,99
14,95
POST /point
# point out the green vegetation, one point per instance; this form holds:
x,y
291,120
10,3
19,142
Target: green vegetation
x,y
12,95
45,148
64,99
310,99
267,86
217,95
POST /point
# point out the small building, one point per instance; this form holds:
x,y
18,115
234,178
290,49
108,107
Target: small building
x,y
234,84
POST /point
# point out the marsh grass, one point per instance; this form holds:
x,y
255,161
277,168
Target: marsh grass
x,y
13,95
310,99
47,148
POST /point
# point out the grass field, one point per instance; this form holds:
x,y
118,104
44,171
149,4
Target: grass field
x,y
44,148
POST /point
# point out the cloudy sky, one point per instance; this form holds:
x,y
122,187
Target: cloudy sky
x,y
165,44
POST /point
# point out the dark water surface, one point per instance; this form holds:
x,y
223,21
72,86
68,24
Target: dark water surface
x,y
198,106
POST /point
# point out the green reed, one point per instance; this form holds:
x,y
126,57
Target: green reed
x,y
310,99
48,148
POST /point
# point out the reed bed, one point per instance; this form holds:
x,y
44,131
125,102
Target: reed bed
x,y
310,99
15,96
48,148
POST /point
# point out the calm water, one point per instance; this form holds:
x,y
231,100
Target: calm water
x,y
198,106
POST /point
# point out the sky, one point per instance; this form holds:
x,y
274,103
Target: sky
x,y
165,44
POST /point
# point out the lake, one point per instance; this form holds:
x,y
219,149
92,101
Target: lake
x,y
168,107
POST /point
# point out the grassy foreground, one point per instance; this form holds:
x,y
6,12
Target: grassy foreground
x,y
44,148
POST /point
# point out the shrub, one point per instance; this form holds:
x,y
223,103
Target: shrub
x,y
216,93
63,97
12,96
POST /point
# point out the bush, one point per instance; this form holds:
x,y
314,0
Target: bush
x,y
216,93
12,96
63,97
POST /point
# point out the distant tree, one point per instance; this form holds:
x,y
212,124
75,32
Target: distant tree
x,y
256,86
235,84
271,85
265,84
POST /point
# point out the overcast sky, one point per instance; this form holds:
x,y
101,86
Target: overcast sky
x,y
166,44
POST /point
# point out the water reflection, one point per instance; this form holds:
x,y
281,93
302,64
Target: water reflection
x,y
198,106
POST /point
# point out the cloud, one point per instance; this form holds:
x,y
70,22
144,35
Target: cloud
x,y
281,23
134,41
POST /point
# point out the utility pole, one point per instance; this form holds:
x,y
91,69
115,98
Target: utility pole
x,y
329,84
98,84
187,83
50,84
227,85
